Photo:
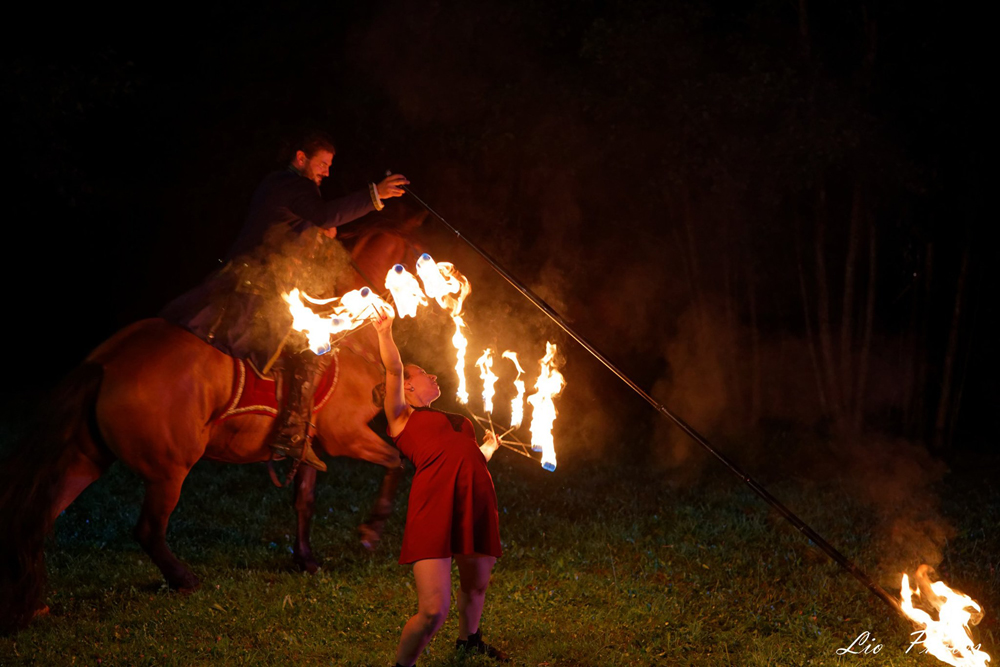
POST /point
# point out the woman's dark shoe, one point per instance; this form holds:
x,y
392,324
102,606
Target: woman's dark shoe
x,y
476,644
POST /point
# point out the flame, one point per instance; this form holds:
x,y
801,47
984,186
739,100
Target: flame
x,y
405,289
485,364
435,285
517,403
460,343
543,410
443,283
948,638
354,308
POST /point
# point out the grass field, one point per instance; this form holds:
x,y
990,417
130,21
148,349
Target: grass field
x,y
603,565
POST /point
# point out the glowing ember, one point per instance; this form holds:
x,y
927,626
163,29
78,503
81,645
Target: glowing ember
x,y
543,410
517,403
948,638
485,364
405,289
354,308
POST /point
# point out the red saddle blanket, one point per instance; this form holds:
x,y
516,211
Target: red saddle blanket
x,y
254,394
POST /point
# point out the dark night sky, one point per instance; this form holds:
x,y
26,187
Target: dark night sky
x,y
643,167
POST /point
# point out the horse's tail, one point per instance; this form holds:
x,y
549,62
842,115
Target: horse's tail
x,y
29,486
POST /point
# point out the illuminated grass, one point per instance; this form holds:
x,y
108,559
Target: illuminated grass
x,y
603,566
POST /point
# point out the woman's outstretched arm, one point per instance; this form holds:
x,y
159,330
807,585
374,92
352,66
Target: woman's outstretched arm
x,y
397,412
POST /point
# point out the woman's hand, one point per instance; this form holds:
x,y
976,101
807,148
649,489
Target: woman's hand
x,y
490,445
383,317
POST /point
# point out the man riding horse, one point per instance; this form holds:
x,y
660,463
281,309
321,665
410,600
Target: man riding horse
x,y
287,241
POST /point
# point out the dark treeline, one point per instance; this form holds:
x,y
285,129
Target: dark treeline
x,y
769,213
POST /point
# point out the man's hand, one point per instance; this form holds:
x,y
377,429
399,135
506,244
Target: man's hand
x,y
382,320
392,186
330,233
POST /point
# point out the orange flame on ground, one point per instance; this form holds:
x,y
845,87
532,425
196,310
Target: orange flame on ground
x,y
405,290
517,403
354,308
485,364
948,638
543,410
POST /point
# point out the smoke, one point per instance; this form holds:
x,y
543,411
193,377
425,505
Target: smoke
x,y
695,386
240,306
897,480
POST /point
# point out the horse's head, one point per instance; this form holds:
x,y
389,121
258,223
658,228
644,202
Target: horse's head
x,y
377,245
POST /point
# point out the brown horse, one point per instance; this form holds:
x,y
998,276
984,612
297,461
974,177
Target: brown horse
x,y
148,397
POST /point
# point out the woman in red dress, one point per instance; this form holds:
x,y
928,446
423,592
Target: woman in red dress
x,y
452,509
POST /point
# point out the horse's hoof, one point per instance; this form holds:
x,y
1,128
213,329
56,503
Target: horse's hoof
x,y
186,584
370,537
306,564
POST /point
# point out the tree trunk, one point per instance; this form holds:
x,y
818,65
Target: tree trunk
x,y
755,374
847,309
866,339
686,266
870,25
823,317
956,404
804,29
938,443
734,370
807,318
696,286
919,423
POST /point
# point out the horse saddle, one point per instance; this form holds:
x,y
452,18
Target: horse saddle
x,y
256,394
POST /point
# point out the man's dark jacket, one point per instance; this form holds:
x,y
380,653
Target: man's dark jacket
x,y
239,308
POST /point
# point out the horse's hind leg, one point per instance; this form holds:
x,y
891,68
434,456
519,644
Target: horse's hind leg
x,y
371,529
151,531
81,472
305,508
85,461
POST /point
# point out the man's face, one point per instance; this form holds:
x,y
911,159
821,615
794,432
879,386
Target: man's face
x,y
317,167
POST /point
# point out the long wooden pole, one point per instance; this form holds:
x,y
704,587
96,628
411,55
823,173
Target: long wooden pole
x,y
799,524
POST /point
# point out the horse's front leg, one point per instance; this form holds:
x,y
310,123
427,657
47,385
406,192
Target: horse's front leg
x,y
151,531
371,529
305,508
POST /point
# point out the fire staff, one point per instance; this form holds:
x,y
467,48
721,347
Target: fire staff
x,y
452,509
286,242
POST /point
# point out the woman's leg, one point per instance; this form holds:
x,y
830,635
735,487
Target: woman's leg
x,y
474,578
433,579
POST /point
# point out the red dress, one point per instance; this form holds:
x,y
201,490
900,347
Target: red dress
x,y
453,505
